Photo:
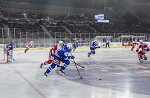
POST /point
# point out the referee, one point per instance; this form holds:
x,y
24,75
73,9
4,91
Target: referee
x,y
107,43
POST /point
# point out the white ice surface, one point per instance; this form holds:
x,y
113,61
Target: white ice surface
x,y
24,78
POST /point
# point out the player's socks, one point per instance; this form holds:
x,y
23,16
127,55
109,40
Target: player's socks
x,y
141,57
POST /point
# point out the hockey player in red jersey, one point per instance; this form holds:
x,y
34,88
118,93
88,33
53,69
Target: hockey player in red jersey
x,y
142,48
28,46
134,43
52,52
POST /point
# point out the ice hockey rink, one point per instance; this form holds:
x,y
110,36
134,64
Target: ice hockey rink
x,y
110,73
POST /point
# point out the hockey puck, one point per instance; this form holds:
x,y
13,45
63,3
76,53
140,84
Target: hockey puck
x,y
100,79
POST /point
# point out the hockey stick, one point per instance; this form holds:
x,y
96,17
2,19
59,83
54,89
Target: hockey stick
x,y
77,64
77,68
97,47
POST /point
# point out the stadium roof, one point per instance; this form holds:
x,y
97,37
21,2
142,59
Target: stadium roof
x,y
94,4
139,8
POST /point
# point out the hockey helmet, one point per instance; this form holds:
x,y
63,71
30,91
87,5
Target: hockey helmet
x,y
60,42
95,40
69,46
141,41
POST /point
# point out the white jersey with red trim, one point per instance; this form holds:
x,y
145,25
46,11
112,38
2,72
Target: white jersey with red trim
x,y
56,47
29,45
143,47
134,43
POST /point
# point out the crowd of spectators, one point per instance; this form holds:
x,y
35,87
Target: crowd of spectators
x,y
29,22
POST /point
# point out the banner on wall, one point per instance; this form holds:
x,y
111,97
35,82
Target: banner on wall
x,y
126,43
121,44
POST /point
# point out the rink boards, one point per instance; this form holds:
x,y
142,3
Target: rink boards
x,y
79,48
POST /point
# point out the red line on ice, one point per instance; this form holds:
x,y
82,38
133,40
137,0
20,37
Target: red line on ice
x,y
38,91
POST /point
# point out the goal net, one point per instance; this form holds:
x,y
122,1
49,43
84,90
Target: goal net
x,y
101,40
3,54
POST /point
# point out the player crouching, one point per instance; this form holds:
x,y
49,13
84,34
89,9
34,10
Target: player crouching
x,y
93,46
28,46
142,49
61,55
52,52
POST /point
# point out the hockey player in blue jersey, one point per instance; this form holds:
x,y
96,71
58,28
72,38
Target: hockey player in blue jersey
x,y
75,45
61,55
10,48
93,46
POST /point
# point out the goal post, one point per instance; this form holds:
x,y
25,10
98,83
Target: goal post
x,y
3,54
128,39
4,39
101,40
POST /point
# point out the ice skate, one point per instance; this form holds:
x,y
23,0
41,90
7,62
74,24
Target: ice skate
x,y
89,54
61,72
45,74
145,58
41,65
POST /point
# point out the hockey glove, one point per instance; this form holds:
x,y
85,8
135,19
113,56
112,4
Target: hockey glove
x,y
72,57
137,50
